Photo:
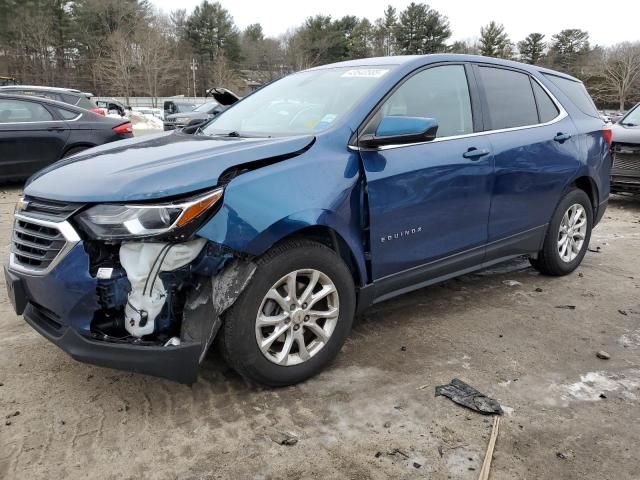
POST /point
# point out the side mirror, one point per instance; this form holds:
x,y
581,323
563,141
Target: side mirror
x,y
396,130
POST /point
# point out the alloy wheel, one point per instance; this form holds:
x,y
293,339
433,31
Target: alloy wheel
x,y
573,230
297,317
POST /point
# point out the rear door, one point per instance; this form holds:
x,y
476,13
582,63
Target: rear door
x,y
31,137
536,152
430,200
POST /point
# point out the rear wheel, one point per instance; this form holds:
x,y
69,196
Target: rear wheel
x,y
293,317
568,236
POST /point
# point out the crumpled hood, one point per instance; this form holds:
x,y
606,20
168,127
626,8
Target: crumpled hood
x,y
154,167
624,134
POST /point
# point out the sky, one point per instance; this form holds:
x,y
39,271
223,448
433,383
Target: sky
x,y
606,22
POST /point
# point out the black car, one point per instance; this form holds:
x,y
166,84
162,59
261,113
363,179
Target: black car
x,y
65,95
625,173
35,132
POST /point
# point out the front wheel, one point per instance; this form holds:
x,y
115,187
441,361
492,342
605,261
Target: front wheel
x,y
568,236
293,317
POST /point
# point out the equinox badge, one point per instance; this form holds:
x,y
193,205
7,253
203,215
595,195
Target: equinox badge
x,y
404,233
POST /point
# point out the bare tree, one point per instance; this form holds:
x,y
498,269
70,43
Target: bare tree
x,y
221,74
156,56
622,69
116,68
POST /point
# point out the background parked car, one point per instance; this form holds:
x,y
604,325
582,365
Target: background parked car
x,y
178,106
113,107
222,99
35,132
8,81
625,173
65,95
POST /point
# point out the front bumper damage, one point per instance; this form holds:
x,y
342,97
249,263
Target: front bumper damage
x,y
67,306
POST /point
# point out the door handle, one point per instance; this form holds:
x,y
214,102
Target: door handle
x,y
55,129
561,137
475,153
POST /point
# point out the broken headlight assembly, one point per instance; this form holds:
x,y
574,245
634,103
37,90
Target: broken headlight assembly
x,y
131,221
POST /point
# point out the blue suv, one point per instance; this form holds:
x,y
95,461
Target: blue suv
x,y
268,229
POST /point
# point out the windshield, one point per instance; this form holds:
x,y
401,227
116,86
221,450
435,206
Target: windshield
x,y
633,117
205,107
305,102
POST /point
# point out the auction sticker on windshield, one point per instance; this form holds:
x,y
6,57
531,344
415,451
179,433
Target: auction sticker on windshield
x,y
365,72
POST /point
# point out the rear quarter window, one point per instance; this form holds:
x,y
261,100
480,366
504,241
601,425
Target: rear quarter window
x,y
576,92
85,103
546,108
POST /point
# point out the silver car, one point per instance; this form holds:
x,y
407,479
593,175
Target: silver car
x,y
625,173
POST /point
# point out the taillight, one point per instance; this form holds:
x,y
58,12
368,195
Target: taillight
x,y
99,111
607,133
124,128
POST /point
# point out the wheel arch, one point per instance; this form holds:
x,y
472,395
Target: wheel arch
x,y
588,185
73,146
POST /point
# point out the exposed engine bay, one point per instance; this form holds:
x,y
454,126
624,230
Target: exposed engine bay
x,y
163,293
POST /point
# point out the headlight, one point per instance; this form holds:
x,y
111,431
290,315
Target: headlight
x,y
182,120
110,221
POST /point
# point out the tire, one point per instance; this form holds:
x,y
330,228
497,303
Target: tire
x,y
73,151
550,260
240,333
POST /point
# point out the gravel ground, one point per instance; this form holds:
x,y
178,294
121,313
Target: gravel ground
x,y
372,414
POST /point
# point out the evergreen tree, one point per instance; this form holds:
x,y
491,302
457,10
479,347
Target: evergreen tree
x,y
494,42
532,48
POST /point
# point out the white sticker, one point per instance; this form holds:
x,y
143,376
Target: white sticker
x,y
328,118
104,273
365,73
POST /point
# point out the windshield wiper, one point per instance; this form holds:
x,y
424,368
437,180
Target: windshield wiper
x,y
628,124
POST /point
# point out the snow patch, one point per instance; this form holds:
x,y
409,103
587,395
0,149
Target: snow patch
x,y
593,384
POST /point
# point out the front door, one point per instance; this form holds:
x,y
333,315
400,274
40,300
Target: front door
x,y
430,201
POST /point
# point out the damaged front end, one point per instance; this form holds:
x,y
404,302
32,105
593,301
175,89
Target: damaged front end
x,y
130,287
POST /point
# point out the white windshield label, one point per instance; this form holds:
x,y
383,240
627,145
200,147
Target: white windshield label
x,y
365,73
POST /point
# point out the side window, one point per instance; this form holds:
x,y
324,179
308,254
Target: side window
x,y
509,98
18,111
67,114
439,92
546,108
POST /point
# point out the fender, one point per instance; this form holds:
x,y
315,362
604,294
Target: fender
x,y
266,205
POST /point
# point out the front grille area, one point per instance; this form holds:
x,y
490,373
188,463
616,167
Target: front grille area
x,y
50,209
626,159
35,246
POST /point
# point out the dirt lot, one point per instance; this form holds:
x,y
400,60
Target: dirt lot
x,y
568,414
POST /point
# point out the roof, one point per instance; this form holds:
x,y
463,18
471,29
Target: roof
x,y
40,87
419,60
40,99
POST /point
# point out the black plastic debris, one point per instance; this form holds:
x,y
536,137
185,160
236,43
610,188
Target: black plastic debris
x,y
566,307
467,396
